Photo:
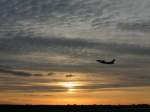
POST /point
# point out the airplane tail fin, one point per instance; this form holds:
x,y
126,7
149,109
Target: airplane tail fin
x,y
113,60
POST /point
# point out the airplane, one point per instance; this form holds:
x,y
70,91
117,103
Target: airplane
x,y
106,62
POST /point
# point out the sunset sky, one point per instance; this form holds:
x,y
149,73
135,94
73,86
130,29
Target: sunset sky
x,y
49,48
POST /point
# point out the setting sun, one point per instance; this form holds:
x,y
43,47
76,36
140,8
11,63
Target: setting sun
x,y
70,85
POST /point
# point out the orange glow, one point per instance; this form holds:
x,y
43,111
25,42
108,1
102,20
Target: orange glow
x,y
78,92
80,97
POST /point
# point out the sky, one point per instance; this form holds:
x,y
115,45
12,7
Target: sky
x,y
49,48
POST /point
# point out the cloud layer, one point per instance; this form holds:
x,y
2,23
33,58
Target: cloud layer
x,y
68,36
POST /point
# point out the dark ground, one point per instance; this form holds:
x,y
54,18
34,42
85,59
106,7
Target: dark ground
x,y
75,108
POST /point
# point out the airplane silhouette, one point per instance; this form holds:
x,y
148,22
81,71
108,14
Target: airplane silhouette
x,y
106,62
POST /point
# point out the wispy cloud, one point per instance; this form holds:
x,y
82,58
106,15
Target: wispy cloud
x,y
29,44
135,26
32,88
15,73
69,75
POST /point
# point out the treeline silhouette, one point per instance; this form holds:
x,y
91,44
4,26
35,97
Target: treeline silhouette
x,y
75,108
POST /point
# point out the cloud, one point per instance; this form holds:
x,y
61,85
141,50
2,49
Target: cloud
x,y
64,54
50,74
96,13
38,95
121,85
69,75
33,88
15,73
138,26
38,75
29,85
69,35
51,8
30,44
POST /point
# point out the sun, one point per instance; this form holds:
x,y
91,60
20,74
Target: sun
x,y
71,86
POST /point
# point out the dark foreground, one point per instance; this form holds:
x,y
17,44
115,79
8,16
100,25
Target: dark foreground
x,y
75,108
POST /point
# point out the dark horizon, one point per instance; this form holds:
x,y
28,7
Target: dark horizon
x,y
75,108
75,105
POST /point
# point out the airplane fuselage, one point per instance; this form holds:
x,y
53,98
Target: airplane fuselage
x,y
106,62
